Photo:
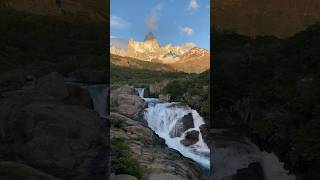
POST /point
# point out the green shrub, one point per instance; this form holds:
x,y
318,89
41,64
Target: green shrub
x,y
121,161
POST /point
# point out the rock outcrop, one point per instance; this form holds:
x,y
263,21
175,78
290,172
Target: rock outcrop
x,y
126,100
183,124
191,138
13,170
52,85
78,96
44,136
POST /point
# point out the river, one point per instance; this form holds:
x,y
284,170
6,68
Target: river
x,y
164,118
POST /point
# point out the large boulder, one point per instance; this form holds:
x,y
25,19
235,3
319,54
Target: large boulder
x,y
166,176
125,177
12,80
253,172
67,142
53,85
12,170
183,124
126,101
78,96
191,138
205,132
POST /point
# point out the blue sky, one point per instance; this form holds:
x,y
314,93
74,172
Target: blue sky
x,y
172,21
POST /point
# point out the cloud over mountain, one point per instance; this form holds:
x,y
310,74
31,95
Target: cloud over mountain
x,y
118,23
186,30
153,17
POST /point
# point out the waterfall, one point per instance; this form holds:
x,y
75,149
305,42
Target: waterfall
x,y
98,95
141,92
165,118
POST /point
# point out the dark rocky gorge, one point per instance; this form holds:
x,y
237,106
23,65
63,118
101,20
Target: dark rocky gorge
x,y
49,130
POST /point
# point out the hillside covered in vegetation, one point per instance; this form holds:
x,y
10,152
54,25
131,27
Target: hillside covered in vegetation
x,y
271,88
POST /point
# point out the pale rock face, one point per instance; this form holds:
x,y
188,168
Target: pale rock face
x,y
118,52
149,50
196,52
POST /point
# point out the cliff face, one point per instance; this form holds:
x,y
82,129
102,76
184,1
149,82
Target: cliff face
x,y
265,17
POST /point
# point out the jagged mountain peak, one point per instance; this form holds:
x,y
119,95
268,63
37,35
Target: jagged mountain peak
x,y
149,37
196,52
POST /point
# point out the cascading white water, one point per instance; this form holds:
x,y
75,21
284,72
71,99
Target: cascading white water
x,y
98,94
162,118
140,91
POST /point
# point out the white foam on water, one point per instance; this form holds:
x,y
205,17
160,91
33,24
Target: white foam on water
x,y
162,118
140,91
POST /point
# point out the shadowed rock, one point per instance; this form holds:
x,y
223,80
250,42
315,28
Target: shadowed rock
x,y
183,124
191,138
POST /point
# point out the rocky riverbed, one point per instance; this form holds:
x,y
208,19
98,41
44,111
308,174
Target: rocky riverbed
x,y
156,160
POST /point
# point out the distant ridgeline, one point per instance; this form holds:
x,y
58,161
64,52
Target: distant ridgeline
x,y
273,17
186,58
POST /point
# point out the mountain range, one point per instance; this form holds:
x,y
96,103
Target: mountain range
x,y
187,58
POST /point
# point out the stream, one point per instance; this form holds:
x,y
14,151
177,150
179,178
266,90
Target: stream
x,y
98,94
166,120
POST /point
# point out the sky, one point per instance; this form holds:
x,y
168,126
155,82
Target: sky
x,y
173,22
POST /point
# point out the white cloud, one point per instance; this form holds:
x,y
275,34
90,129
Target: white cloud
x,y
118,23
186,30
193,5
153,17
113,36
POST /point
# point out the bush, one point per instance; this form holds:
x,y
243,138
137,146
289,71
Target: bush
x,y
121,161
